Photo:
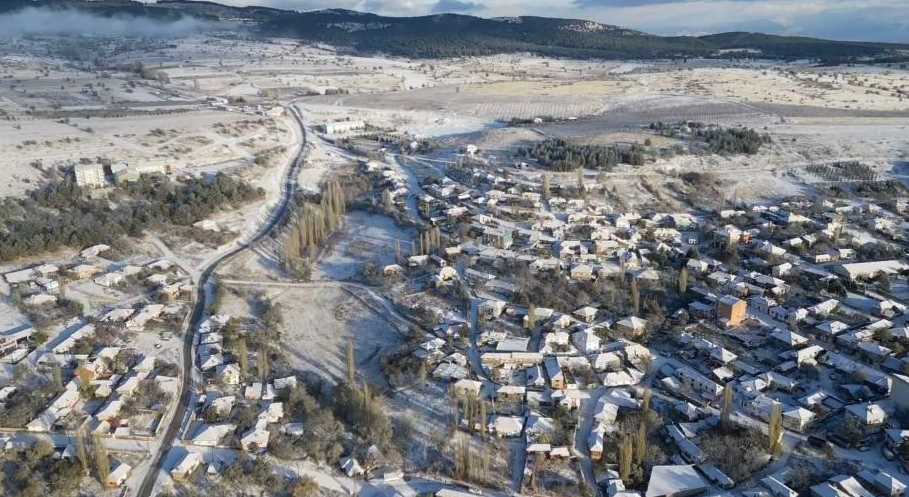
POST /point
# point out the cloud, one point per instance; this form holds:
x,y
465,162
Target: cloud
x,y
638,3
43,21
867,20
456,6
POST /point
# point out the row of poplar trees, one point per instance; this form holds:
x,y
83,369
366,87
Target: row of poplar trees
x,y
312,225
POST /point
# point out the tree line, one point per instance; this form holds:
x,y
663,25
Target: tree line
x,y
560,155
732,141
62,214
723,141
311,226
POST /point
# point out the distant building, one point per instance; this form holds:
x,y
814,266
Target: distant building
x,y
341,127
675,481
871,269
186,466
554,371
118,476
731,311
13,339
89,175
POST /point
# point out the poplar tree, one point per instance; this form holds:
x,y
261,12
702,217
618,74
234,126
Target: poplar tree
x,y
351,363
775,430
728,405
102,459
264,366
242,356
82,446
640,443
635,297
626,454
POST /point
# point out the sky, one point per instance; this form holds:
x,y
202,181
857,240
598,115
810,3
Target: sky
x,y
866,20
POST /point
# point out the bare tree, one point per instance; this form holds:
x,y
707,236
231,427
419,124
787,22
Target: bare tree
x,y
102,459
242,356
263,363
351,363
82,445
728,406
683,280
626,457
640,443
635,297
775,430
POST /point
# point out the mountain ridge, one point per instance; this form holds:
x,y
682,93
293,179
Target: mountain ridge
x,y
452,35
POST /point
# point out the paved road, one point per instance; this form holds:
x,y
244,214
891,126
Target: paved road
x,y
278,214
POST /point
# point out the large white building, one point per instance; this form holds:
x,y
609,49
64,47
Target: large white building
x,y
89,175
340,127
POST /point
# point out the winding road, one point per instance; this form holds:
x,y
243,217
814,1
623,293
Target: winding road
x,y
276,217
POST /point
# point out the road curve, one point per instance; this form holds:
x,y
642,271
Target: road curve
x,y
276,217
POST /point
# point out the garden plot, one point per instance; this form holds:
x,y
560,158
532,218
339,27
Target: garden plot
x,y
429,412
366,238
319,322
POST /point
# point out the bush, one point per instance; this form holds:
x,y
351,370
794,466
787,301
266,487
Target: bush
x,y
739,452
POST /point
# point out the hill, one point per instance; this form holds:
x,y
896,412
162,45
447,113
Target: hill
x,y
452,35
